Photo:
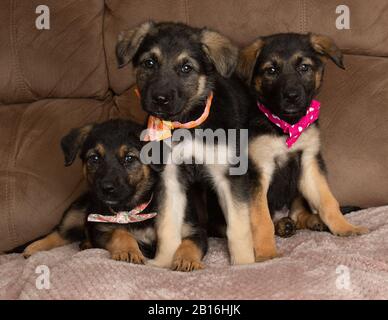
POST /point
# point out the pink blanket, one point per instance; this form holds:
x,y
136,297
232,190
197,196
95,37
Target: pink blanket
x,y
314,265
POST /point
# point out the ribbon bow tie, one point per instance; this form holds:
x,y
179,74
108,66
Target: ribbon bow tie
x,y
294,130
159,129
124,217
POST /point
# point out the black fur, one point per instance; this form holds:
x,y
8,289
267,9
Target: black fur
x,y
171,90
131,183
284,72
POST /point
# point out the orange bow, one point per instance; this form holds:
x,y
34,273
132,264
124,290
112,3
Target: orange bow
x,y
159,129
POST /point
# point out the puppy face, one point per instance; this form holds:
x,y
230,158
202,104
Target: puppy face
x,y
110,153
286,71
175,65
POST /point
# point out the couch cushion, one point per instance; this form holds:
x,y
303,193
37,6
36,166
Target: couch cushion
x,y
245,21
355,132
368,24
66,61
35,187
241,22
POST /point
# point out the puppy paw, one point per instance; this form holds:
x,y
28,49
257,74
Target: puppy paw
x,y
29,251
285,227
33,248
186,264
350,230
315,223
132,257
265,253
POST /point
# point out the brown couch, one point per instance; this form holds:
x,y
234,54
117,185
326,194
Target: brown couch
x,y
57,79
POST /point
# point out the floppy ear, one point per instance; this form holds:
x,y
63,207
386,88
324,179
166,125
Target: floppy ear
x,y
220,51
247,60
326,46
73,141
129,42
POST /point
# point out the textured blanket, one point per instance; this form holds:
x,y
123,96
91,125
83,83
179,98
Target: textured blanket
x,y
314,265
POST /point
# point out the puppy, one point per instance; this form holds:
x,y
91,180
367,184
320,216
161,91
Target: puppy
x,y
285,72
183,76
118,183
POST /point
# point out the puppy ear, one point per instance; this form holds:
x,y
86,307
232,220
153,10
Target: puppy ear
x,y
247,60
326,46
220,51
129,42
73,142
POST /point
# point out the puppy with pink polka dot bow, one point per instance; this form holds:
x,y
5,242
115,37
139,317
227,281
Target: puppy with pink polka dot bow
x,y
284,72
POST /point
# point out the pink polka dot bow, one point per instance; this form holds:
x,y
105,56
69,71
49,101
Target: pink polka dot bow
x,y
294,130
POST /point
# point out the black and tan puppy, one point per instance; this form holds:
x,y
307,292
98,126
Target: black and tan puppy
x,y
285,73
178,69
118,182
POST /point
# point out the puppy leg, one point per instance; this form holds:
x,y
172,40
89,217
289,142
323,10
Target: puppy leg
x,y
51,241
189,254
170,219
315,189
304,219
263,230
237,218
124,247
70,229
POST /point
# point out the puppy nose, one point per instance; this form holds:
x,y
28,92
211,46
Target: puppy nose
x,y
160,100
292,96
108,187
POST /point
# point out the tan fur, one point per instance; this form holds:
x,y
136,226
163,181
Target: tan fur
x,y
325,46
263,230
130,40
258,83
303,218
154,52
185,57
100,149
316,190
318,80
220,51
247,60
51,241
124,247
187,257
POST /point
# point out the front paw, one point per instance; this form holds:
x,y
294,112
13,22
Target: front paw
x,y
315,223
132,257
264,253
285,227
349,230
186,265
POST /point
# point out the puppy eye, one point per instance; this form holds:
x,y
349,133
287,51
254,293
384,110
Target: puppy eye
x,y
94,159
271,71
186,68
149,63
304,67
128,159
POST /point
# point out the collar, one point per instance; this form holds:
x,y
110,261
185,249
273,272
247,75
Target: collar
x,y
294,130
124,217
159,129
